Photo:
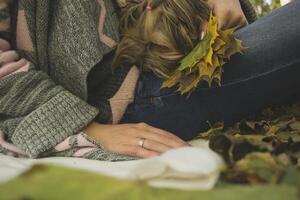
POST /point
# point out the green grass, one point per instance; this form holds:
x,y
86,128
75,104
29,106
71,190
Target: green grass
x,y
45,182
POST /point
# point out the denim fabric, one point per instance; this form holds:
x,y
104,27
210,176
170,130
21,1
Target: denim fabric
x,y
267,73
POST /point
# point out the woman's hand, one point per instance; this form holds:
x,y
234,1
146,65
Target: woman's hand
x,y
125,139
229,13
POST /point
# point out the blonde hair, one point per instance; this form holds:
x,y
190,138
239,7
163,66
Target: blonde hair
x,y
156,34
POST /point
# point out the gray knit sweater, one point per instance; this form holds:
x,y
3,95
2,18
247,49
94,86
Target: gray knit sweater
x,y
41,107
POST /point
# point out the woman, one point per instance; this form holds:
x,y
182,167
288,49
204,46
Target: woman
x,y
63,83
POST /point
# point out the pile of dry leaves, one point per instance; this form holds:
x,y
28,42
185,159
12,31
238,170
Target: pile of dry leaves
x,y
262,151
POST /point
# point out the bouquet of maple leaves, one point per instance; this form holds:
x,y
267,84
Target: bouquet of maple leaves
x,y
205,62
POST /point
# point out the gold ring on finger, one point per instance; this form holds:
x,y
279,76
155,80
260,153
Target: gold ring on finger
x,y
142,142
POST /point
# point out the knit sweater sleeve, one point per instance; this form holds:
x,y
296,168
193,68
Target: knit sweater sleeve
x,y
248,10
35,113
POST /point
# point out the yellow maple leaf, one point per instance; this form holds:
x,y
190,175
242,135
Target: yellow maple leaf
x,y
205,62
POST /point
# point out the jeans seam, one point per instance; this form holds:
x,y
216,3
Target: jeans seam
x,y
280,67
253,77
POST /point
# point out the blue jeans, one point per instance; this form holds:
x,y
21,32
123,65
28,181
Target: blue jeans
x,y
268,73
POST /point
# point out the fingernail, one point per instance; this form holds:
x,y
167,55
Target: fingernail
x,y
202,35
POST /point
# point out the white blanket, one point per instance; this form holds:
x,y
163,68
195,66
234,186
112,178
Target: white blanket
x,y
186,168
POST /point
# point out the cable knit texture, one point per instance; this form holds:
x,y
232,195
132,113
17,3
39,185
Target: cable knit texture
x,y
68,115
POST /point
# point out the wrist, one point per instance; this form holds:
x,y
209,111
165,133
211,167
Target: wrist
x,y
92,129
